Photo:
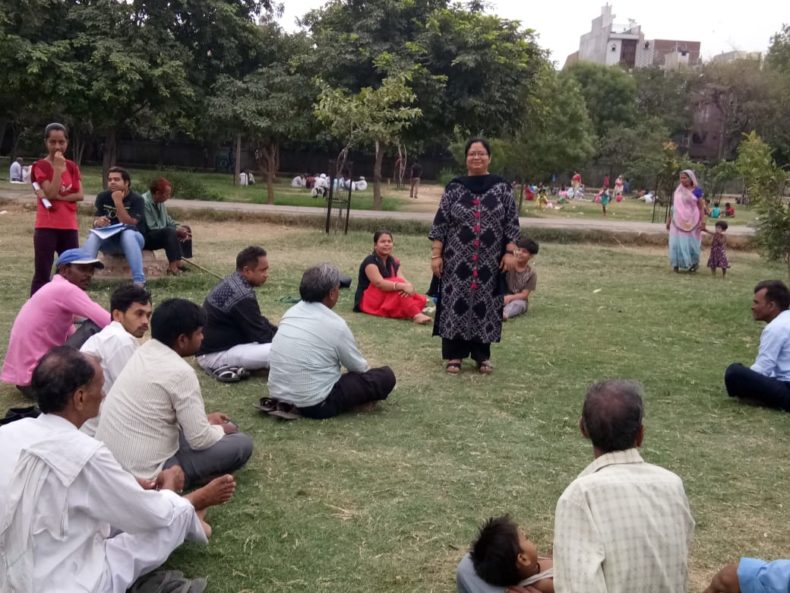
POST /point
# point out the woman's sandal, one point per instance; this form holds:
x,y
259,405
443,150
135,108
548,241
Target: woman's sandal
x,y
485,368
453,367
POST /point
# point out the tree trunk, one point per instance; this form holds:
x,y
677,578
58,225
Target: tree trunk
x,y
3,127
377,201
268,162
109,155
237,167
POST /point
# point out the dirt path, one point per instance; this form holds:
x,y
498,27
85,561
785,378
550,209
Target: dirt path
x,y
422,209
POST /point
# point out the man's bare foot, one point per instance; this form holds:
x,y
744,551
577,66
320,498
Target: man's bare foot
x,y
217,491
172,478
206,527
421,319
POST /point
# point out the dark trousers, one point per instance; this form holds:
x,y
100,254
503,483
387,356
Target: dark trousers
x,y
168,240
460,349
224,457
45,243
741,381
351,390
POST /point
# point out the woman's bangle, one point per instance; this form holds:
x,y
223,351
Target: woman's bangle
x,y
435,256
394,286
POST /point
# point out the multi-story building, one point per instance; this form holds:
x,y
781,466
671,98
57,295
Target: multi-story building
x,y
612,44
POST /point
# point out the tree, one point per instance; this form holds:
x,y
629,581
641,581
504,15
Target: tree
x,y
609,92
765,183
665,95
778,56
270,106
373,116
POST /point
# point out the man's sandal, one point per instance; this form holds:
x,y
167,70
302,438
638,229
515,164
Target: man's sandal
x,y
230,374
485,368
453,367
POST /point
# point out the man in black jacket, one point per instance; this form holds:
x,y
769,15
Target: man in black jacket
x,y
237,337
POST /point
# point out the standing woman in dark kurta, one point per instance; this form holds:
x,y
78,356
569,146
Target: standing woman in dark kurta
x,y
474,235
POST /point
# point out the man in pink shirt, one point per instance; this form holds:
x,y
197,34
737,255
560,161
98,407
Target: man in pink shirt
x,y
47,318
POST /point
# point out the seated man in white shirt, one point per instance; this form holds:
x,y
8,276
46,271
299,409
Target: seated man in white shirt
x,y
768,380
623,525
311,344
130,307
71,519
155,417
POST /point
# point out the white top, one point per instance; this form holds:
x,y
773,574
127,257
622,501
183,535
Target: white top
x,y
62,494
773,359
622,526
15,171
156,395
113,346
311,344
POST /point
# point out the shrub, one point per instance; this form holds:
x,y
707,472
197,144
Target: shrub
x,y
186,185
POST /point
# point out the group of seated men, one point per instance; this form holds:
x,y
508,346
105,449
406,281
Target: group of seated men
x,y
127,222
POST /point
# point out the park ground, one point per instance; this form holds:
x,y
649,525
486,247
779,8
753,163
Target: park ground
x,y
220,186
388,500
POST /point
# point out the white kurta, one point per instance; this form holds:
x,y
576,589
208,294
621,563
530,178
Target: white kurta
x,y
83,495
113,346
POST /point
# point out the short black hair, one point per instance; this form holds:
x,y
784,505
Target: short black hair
x,y
174,318
378,234
776,292
318,281
55,127
249,256
123,297
479,139
124,173
495,552
58,374
529,245
722,224
612,414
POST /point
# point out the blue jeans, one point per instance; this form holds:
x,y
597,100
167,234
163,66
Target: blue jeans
x,y
128,242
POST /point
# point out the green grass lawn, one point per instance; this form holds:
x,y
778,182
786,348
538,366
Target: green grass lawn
x,y
388,501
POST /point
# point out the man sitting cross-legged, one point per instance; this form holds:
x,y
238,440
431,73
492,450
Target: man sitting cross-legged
x,y
47,318
71,518
623,525
154,416
161,231
237,336
130,307
311,345
768,380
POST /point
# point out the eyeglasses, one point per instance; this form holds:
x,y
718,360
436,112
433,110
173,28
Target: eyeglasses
x,y
474,154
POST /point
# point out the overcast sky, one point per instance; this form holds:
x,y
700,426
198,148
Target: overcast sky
x,y
720,25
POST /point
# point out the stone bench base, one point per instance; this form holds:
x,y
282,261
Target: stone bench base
x,y
117,268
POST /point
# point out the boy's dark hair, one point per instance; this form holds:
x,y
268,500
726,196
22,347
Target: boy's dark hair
x,y
124,173
249,256
176,317
123,297
529,245
495,552
722,225
775,291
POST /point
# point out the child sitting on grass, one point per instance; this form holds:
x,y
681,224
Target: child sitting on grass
x,y
718,249
521,281
503,556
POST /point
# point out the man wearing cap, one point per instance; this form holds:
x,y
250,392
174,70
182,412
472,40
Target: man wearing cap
x,y
47,318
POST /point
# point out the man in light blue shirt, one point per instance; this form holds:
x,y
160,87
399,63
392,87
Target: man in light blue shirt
x,y
311,345
752,576
768,380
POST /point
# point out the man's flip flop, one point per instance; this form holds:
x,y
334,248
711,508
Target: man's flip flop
x,y
230,374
